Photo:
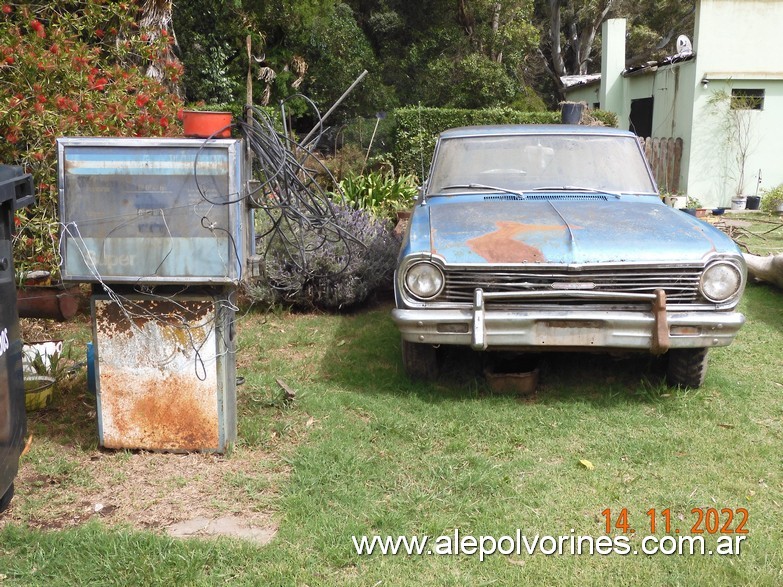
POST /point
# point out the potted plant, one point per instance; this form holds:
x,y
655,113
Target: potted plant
x,y
207,121
694,208
738,124
44,363
772,200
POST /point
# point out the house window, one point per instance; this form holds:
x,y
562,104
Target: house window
x,y
747,99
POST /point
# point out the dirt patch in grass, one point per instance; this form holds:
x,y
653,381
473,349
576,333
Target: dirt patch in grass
x,y
60,486
66,479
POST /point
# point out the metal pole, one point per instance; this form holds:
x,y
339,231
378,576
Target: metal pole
x,y
356,82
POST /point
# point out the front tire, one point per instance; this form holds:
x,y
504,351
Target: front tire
x,y
5,501
420,361
687,367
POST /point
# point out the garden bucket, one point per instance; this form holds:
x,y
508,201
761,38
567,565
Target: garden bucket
x,y
216,125
738,203
38,391
571,112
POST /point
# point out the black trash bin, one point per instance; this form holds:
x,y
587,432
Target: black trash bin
x,y
571,112
16,191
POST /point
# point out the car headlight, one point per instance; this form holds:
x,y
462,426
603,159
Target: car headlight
x,y
424,280
720,282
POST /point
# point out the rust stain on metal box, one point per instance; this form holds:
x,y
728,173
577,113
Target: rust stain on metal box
x,y
160,414
157,375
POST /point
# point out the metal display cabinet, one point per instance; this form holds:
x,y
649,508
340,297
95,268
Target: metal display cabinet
x,y
166,371
16,191
153,210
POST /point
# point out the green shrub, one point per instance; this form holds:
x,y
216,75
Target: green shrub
x,y
380,193
771,199
603,117
307,268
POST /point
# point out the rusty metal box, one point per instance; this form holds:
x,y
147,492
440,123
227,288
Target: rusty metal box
x,y
166,372
152,210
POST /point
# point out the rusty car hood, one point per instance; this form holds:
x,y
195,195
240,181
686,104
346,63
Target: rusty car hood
x,y
625,229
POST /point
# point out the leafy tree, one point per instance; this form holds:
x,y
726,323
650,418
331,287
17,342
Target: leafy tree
x,y
337,51
472,82
571,32
469,53
154,24
653,24
211,41
571,44
313,47
499,29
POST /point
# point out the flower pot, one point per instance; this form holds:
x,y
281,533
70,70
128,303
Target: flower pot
x,y
205,125
752,202
38,390
738,203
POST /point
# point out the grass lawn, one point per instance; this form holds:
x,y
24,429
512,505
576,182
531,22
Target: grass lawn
x,y
362,451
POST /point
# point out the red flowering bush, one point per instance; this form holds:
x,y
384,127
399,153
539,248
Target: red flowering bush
x,y
74,69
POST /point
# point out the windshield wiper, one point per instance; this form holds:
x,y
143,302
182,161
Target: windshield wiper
x,y
574,188
481,186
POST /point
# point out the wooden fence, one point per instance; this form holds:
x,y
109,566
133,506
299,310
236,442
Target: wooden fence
x,y
664,155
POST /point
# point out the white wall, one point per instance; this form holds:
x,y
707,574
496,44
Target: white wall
x,y
739,35
738,46
586,93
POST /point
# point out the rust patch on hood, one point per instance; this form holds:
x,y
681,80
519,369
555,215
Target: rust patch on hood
x,y
501,246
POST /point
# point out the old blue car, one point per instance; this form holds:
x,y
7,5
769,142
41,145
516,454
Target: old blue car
x,y
551,237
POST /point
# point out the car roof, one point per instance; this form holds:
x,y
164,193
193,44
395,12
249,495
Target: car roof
x,y
532,129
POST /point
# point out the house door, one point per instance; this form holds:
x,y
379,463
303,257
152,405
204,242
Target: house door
x,y
641,118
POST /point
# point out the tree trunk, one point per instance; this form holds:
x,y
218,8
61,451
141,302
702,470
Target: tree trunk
x,y
769,268
466,19
155,21
587,38
558,64
497,55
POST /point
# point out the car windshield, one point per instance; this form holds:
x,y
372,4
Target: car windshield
x,y
543,162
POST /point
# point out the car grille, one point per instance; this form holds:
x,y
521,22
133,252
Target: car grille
x,y
680,284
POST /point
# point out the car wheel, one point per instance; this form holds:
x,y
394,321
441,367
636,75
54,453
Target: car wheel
x,y
5,501
687,367
420,360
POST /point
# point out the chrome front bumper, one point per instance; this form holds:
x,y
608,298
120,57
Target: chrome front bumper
x,y
656,330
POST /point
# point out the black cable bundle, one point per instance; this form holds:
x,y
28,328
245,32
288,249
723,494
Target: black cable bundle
x,y
304,235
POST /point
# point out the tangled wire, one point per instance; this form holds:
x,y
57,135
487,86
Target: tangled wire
x,y
315,250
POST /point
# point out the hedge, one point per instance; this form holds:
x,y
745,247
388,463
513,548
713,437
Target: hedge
x,y
418,128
